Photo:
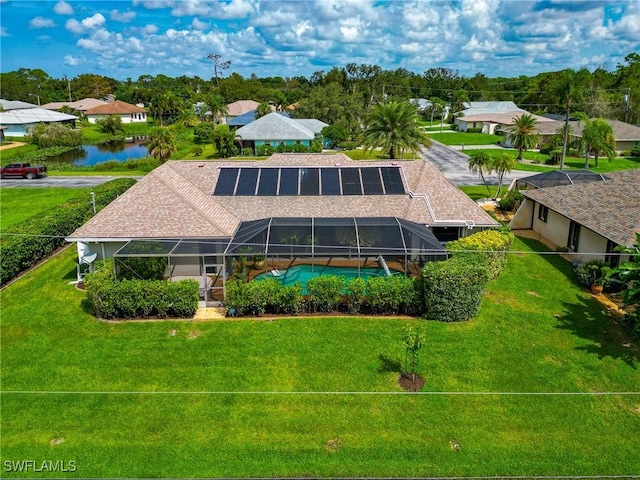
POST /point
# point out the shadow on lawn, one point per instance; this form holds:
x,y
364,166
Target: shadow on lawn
x,y
388,364
556,261
608,337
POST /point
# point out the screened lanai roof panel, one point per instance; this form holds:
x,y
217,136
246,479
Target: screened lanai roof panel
x,y
556,178
199,246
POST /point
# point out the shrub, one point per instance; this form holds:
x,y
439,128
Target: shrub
x,y
25,243
138,298
597,272
247,152
511,200
391,295
268,295
474,130
453,289
54,135
197,150
203,132
265,150
554,157
111,125
355,292
324,292
635,152
348,145
492,247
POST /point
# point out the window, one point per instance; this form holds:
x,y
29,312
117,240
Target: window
x,y
543,213
612,260
574,236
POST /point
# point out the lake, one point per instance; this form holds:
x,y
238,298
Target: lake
x,y
92,154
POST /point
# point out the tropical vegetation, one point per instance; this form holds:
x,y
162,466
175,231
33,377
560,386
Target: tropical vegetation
x,y
523,133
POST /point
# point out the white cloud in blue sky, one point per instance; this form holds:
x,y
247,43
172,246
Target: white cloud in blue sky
x,y
298,37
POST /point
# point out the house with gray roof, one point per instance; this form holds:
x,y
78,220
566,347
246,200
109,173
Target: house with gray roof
x,y
275,129
15,104
19,121
290,208
590,219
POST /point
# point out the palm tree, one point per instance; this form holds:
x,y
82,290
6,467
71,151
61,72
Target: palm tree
x,y
523,133
502,164
569,90
224,142
393,126
480,163
217,106
263,109
598,138
161,143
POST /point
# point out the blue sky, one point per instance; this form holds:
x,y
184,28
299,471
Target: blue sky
x,y
130,38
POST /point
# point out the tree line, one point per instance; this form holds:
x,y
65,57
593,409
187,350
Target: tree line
x,y
342,95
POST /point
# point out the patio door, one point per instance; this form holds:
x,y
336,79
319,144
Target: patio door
x,y
574,236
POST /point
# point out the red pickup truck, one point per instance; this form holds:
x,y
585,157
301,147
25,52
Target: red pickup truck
x,y
24,170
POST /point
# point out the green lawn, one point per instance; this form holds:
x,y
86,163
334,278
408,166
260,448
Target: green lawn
x,y
18,204
477,192
536,332
618,163
458,138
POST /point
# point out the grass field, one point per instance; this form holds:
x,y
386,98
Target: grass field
x,y
458,138
18,204
160,399
476,192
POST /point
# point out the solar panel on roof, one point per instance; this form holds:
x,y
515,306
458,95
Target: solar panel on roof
x,y
268,183
392,180
330,178
247,181
351,184
289,181
309,181
371,181
226,181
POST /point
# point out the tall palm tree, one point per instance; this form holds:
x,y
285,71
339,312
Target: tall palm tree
x,y
598,138
480,163
393,126
161,143
569,90
502,164
524,133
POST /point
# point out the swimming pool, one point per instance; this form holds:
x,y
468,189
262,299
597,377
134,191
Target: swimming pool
x,y
302,273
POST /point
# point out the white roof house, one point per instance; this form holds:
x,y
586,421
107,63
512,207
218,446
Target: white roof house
x,y
279,128
483,108
19,121
15,104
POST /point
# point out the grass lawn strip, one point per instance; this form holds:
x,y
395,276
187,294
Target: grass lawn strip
x,y
536,332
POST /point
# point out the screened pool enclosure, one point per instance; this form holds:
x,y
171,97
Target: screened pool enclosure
x,y
271,245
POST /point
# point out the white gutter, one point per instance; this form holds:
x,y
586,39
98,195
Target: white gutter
x,y
467,223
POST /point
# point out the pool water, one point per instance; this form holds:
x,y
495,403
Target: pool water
x,y
302,273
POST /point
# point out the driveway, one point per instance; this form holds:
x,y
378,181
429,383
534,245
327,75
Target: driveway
x,y
455,166
71,182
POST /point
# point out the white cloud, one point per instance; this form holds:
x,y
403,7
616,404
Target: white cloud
x,y
150,29
199,24
74,26
41,22
3,32
71,60
123,17
63,8
94,21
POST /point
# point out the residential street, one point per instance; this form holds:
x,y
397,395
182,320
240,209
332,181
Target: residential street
x,y
454,165
73,182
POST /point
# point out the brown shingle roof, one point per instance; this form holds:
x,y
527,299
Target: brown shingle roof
x,y
176,201
115,108
610,208
241,106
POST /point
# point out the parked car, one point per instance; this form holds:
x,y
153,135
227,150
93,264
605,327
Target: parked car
x,y
23,170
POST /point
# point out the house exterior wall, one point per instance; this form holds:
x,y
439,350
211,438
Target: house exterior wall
x,y
522,219
275,143
591,242
627,145
556,228
125,117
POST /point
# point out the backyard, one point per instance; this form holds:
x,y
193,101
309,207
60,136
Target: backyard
x,y
319,396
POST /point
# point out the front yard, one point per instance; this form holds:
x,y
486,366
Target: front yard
x,y
280,398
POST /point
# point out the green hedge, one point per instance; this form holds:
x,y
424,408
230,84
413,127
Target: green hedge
x,y
453,289
258,297
491,245
393,295
139,298
26,243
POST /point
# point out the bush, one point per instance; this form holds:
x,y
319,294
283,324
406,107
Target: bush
x,y
348,145
197,150
203,132
247,152
25,243
109,299
54,135
492,247
635,152
510,201
265,150
355,291
453,289
324,292
111,125
268,295
595,272
392,295
474,130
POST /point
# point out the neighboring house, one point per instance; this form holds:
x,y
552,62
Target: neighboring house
x,y
19,121
80,106
492,122
203,215
235,109
15,105
127,112
274,129
556,178
590,219
247,118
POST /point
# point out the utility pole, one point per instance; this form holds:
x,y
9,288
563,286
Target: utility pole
x,y
218,66
627,101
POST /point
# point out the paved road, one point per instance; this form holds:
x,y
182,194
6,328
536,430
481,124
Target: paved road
x,y
455,166
73,182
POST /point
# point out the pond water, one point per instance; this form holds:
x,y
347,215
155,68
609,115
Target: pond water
x,y
92,154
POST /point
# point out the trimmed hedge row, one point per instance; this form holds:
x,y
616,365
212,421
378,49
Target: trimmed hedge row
x,y
391,295
491,245
27,242
139,298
